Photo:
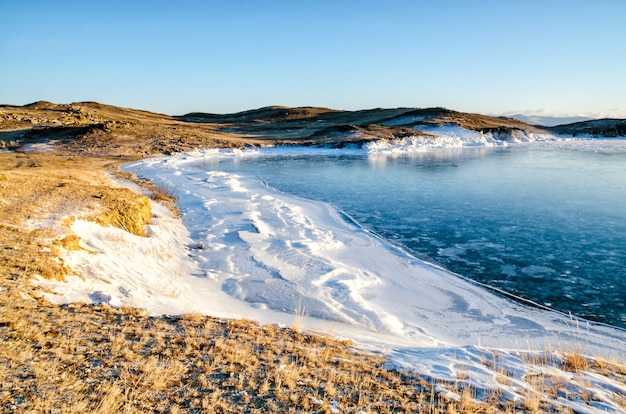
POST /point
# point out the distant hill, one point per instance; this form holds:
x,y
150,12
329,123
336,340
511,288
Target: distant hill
x,y
94,128
549,120
600,128
309,125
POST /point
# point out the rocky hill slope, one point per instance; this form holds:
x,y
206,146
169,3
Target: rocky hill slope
x,y
97,129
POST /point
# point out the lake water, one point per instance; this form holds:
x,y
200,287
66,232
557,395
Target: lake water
x,y
545,222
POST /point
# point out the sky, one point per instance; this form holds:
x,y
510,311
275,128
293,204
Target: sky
x,y
547,57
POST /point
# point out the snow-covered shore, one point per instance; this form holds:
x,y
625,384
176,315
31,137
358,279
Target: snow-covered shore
x,y
242,249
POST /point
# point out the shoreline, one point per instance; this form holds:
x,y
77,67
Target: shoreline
x,y
268,229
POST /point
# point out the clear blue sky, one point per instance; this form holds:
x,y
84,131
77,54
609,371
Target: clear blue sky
x,y
560,57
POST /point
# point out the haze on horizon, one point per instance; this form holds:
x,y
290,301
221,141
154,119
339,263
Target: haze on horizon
x,y
555,58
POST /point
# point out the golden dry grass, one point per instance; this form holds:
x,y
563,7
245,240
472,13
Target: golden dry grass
x,y
88,358
38,187
40,195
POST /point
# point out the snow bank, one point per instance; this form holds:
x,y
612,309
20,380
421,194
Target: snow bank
x,y
453,137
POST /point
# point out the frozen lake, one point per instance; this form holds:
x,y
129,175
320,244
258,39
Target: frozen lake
x,y
544,221
255,240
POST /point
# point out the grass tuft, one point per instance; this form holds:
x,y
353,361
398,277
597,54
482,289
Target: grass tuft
x,y
575,361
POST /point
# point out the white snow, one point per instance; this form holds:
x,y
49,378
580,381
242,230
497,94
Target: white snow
x,y
40,147
243,249
451,136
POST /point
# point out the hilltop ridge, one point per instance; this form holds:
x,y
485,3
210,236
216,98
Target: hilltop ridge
x,y
96,129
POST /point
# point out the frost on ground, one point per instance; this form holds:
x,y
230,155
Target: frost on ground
x,y
245,250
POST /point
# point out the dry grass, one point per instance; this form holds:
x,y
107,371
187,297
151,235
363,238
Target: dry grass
x,y
93,129
571,376
40,195
160,192
163,192
39,189
86,358
575,361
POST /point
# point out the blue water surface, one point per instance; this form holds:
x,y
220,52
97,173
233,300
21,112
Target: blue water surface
x,y
543,223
